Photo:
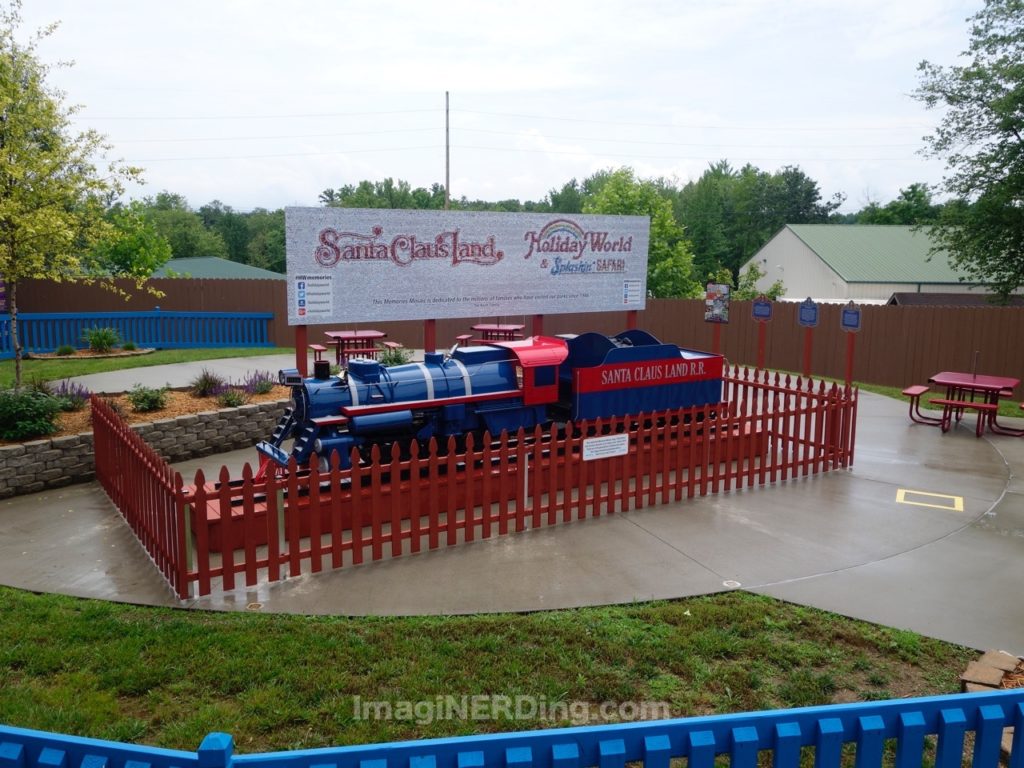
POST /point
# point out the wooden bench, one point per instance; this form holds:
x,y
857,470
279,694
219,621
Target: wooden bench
x,y
318,351
949,407
463,339
392,345
914,393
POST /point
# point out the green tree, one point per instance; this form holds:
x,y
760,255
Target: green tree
x,y
230,225
670,261
913,206
981,137
568,199
55,183
265,247
747,290
132,247
705,209
172,217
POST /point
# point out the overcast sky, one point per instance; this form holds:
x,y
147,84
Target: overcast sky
x,y
266,104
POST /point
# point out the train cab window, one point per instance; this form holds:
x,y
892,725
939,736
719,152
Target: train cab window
x,y
544,376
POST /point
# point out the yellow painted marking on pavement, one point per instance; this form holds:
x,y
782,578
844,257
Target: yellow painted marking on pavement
x,y
956,502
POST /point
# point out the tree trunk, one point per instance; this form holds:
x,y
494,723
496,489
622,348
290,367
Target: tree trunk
x,y
13,299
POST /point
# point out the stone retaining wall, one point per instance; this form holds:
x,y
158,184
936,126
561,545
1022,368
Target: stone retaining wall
x,y
52,463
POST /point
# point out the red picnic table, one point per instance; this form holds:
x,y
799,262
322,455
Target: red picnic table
x,y
978,392
499,331
354,344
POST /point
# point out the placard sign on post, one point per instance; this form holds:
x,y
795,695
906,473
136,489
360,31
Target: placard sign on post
x,y
716,303
716,310
348,265
761,309
849,321
807,316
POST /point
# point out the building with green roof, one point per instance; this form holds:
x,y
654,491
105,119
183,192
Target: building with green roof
x,y
214,267
860,262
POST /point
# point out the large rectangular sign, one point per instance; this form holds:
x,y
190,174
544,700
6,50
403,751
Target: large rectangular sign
x,y
351,265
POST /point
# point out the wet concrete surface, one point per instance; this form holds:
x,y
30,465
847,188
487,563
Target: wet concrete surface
x,y
843,541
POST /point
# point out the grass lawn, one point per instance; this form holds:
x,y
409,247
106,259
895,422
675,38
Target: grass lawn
x,y
168,677
51,369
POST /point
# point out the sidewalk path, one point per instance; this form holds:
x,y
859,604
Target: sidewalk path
x,y
181,375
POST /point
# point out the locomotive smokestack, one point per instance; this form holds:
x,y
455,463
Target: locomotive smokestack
x,y
322,369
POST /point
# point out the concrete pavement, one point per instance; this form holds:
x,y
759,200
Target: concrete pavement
x,y
926,532
182,374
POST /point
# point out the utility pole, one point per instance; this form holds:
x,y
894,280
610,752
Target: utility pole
x,y
447,156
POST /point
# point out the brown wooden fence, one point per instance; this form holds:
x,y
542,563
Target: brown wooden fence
x,y
898,345
217,534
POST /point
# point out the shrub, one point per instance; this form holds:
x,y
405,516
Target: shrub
x,y
115,406
395,356
258,382
26,413
64,350
146,399
101,339
72,396
38,384
129,346
207,384
232,398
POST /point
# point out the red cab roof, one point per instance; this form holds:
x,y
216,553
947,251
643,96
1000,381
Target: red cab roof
x,y
536,350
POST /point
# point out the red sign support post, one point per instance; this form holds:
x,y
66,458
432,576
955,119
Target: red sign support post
x,y
537,325
761,311
301,342
849,321
430,335
716,311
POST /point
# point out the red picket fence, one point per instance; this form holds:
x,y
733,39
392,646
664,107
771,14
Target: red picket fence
x,y
766,430
145,489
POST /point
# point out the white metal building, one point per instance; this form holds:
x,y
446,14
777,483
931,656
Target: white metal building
x,y
855,261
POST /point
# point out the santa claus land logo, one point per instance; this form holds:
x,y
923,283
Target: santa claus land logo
x,y
404,249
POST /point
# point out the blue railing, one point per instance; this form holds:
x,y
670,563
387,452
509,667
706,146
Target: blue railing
x,y
871,728
45,332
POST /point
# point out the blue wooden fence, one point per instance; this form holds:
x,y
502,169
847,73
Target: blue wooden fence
x,y
45,332
855,735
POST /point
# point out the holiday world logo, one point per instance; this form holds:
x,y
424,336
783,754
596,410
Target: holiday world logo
x,y
562,245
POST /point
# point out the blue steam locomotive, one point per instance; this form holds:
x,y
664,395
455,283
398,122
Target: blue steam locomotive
x,y
495,387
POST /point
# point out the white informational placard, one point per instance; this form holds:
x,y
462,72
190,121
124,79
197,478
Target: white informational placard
x,y
605,447
353,265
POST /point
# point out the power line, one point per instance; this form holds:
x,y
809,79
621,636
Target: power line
x,y
255,117
632,156
685,143
691,126
286,154
685,157
275,138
